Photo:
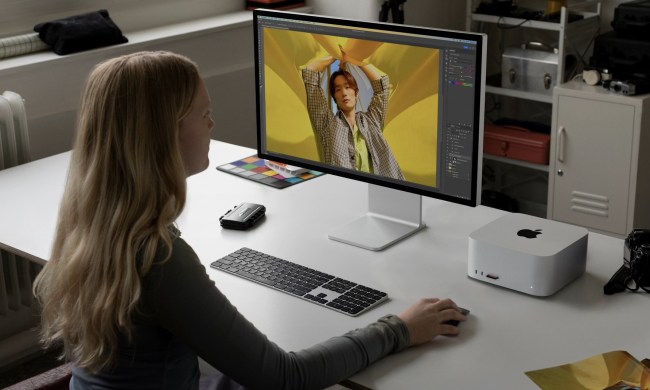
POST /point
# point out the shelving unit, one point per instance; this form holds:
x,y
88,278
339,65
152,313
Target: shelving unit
x,y
525,164
570,38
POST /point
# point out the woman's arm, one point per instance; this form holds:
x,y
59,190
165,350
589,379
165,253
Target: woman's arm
x,y
320,113
371,72
378,106
189,305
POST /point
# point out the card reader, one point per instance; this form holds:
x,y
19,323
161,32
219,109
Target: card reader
x,y
243,216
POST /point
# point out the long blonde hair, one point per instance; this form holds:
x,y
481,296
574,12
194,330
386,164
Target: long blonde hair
x,y
125,188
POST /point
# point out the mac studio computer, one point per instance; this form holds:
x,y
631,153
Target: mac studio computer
x,y
423,136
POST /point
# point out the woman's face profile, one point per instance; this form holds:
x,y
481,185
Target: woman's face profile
x,y
194,135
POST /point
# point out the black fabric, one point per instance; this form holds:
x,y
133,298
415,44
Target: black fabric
x,y
639,264
634,274
617,283
80,32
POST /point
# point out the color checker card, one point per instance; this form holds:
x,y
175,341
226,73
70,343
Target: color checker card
x,y
253,168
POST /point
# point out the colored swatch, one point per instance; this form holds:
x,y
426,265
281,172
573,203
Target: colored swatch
x,y
253,168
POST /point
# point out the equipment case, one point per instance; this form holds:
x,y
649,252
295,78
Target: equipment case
x,y
516,143
623,57
632,19
529,69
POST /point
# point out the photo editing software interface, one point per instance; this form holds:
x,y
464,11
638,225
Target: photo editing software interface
x,y
392,105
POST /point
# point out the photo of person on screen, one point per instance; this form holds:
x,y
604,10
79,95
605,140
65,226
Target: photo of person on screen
x,y
350,138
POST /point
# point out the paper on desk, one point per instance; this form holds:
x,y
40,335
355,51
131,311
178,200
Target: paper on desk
x,y
595,373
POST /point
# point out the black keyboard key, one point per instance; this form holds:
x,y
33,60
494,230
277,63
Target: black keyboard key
x,y
256,278
356,309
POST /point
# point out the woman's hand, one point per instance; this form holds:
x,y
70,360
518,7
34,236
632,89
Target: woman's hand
x,y
345,59
426,319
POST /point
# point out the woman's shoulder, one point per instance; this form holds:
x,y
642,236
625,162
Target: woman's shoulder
x,y
182,252
173,269
180,257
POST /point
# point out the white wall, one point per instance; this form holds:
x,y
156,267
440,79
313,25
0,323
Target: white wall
x,y
20,16
446,14
52,87
436,13
607,12
351,9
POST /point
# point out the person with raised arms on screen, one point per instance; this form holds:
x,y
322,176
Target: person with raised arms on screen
x,y
128,298
350,139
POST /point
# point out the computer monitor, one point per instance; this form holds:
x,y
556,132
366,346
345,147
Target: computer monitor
x,y
406,117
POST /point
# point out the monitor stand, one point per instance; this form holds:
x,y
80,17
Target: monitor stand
x,y
392,216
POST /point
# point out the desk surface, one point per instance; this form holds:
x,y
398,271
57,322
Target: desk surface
x,y
507,333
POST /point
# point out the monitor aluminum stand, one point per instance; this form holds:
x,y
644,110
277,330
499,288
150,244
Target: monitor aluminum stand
x,y
392,216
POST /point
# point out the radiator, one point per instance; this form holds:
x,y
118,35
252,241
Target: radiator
x,y
19,311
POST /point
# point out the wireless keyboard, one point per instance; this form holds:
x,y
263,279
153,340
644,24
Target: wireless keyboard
x,y
317,287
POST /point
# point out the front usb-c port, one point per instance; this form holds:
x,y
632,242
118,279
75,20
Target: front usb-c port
x,y
492,276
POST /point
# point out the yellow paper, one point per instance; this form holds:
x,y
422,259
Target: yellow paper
x,y
595,373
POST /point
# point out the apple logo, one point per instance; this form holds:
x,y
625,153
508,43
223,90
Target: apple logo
x,y
528,233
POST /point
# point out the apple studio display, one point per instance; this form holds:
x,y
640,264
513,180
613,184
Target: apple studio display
x,y
419,113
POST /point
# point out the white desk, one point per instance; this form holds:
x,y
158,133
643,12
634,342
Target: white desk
x,y
507,333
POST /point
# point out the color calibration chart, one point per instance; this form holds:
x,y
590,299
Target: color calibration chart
x,y
255,169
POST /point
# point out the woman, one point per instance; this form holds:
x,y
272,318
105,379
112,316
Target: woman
x,y
128,297
350,138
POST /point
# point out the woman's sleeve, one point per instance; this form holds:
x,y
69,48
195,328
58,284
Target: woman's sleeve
x,y
379,102
192,308
317,104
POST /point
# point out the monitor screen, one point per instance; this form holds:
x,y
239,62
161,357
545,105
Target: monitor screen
x,y
399,107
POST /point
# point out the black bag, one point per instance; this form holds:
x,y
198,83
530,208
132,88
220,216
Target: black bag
x,y
632,19
623,57
80,32
634,274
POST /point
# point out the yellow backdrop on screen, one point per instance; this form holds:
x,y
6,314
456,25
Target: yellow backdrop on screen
x,y
411,121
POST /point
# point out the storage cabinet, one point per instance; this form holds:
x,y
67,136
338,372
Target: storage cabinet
x,y
519,179
600,170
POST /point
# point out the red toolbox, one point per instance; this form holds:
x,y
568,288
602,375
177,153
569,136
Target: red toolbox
x,y
517,143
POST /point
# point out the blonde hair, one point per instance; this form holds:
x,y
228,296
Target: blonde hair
x,y
125,188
